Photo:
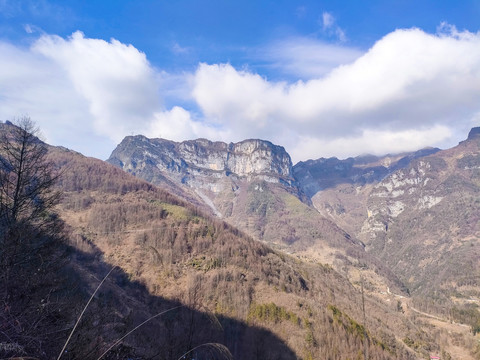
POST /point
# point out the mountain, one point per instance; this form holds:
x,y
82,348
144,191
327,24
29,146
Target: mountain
x,y
422,221
269,305
189,161
401,225
197,280
426,217
333,185
251,185
317,175
202,164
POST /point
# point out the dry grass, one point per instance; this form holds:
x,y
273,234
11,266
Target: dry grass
x,y
83,312
215,350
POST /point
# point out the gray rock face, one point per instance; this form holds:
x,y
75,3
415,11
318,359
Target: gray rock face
x,y
202,163
206,165
322,174
475,132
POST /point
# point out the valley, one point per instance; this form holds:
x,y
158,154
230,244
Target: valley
x,y
383,219
325,259
239,180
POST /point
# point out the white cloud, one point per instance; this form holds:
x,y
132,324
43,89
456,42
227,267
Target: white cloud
x,y
370,141
327,20
28,29
410,90
306,58
115,79
84,93
179,50
330,27
300,12
228,96
33,85
178,125
340,33
408,81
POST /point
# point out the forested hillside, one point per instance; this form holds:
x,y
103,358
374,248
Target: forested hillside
x,y
183,255
204,287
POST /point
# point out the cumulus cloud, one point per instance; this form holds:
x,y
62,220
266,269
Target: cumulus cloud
x,y
409,90
33,85
83,91
178,124
230,97
408,81
115,79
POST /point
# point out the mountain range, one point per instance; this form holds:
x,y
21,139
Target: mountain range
x,y
405,223
233,245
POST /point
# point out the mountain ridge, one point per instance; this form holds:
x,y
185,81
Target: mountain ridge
x,y
205,155
276,212
305,305
178,253
359,215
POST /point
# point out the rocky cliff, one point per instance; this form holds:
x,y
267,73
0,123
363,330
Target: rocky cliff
x,y
251,185
202,163
317,175
474,133
422,220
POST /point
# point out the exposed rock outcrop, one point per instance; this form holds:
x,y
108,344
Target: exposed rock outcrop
x,y
475,132
317,175
202,163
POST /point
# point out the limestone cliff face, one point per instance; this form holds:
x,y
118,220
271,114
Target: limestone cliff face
x,y
426,217
202,163
247,158
314,176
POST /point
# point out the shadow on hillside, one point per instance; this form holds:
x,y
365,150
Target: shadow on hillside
x,y
121,304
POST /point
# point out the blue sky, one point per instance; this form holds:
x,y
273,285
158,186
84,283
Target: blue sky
x,y
322,78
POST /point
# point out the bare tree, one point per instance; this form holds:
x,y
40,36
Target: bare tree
x,y
26,178
30,232
28,224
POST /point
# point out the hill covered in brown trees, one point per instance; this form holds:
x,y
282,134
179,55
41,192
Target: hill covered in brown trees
x,y
183,255
200,284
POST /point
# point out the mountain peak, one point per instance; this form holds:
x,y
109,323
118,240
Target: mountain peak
x,y
474,133
194,159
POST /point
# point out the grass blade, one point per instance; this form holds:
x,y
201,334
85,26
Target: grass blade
x,y
137,327
222,350
83,311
